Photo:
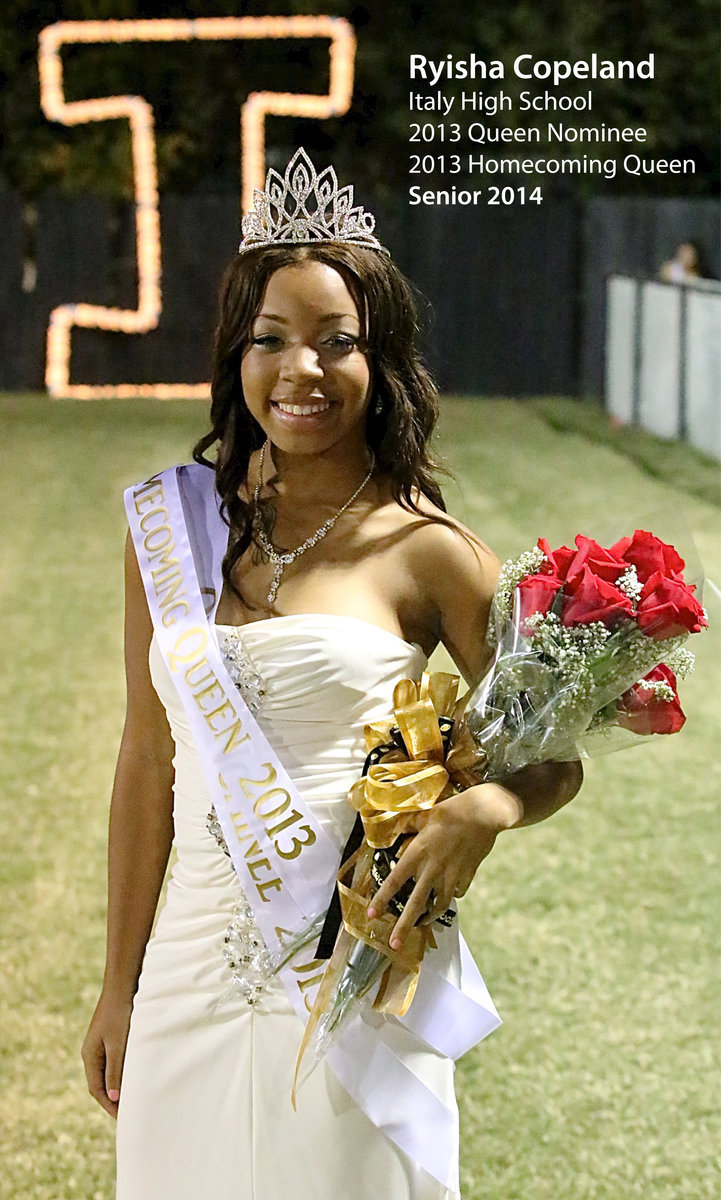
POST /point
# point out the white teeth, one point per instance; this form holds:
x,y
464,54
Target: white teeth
x,y
302,409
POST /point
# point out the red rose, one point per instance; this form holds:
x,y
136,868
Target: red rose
x,y
537,594
649,554
642,711
667,608
590,598
558,560
602,562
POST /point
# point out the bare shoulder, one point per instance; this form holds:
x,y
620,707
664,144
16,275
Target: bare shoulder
x,y
456,573
448,544
447,553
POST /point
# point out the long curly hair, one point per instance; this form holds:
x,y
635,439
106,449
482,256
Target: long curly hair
x,y
402,387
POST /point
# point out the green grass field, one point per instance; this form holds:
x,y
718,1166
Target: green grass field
x,y
597,931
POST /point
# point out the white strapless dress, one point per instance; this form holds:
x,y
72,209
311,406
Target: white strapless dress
x,y
205,1110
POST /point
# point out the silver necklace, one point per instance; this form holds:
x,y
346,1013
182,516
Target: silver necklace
x,y
281,561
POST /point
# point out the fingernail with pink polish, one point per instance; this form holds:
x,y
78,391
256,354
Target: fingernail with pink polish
x,y
372,914
113,1094
396,943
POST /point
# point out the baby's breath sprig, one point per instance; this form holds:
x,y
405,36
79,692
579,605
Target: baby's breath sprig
x,y
568,649
632,654
681,661
660,688
630,584
510,575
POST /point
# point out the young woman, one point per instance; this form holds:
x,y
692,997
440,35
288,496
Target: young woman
x,y
342,574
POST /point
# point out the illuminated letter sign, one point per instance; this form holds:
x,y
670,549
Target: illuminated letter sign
x,y
140,115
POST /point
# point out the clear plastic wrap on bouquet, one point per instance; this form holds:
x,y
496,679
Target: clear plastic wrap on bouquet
x,y
538,704
512,713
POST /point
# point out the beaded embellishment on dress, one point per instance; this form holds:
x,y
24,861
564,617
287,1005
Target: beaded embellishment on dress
x,y
249,683
244,950
247,954
241,669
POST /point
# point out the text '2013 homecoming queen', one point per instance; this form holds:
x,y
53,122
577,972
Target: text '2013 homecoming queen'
x,y
275,595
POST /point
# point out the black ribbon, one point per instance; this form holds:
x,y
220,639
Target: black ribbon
x,y
334,916
383,860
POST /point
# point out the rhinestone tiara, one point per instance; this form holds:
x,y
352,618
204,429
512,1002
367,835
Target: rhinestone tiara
x,y
302,207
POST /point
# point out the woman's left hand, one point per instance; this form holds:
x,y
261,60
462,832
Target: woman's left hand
x,y
444,857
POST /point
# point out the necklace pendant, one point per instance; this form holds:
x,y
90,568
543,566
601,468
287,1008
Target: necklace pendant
x,y
284,560
273,591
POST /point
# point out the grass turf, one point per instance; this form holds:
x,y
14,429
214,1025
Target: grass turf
x,y
597,931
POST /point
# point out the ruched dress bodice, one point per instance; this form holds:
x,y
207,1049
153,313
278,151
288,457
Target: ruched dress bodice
x,y
323,677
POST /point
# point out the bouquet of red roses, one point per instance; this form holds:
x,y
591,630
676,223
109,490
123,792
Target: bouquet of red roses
x,y
585,640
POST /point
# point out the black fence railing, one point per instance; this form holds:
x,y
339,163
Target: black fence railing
x,y
516,293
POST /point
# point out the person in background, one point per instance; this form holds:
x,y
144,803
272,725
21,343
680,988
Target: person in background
x,y
684,267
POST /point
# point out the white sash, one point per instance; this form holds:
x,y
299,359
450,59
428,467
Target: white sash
x,y
285,862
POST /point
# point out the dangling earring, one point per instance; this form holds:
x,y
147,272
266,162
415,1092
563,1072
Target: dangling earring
x,y
379,406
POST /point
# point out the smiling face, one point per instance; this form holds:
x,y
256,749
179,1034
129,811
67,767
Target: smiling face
x,y
305,372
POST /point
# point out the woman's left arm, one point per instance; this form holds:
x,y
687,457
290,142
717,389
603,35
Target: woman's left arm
x,y
461,831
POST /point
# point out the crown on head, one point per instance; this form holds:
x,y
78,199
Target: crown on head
x,y
303,207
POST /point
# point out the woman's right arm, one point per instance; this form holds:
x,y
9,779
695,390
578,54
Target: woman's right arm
x,y
140,837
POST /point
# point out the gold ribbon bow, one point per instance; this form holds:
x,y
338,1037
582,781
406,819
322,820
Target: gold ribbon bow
x,y
395,797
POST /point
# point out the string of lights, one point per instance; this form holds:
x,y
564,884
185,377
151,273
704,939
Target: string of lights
x,y
138,112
